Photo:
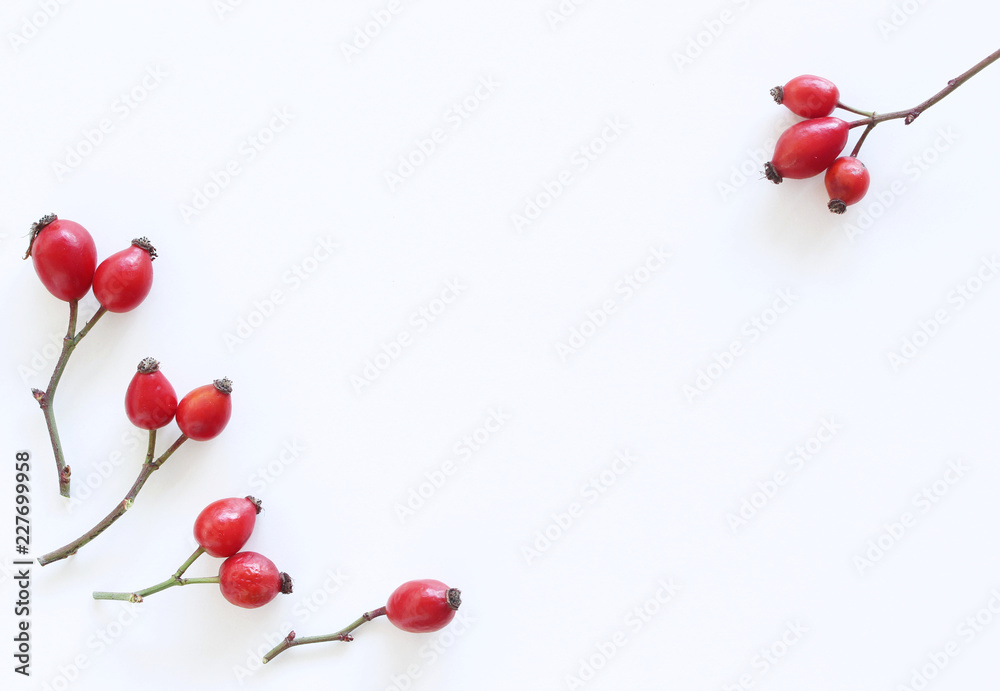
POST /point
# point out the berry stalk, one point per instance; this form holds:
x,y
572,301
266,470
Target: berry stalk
x,y
148,467
861,140
911,114
290,641
175,579
856,111
45,398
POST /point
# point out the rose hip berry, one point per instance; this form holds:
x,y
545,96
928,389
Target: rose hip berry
x,y
847,181
808,96
246,579
150,400
416,606
64,256
807,148
224,526
204,412
123,280
422,606
250,580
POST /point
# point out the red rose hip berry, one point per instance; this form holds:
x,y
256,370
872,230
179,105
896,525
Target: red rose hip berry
x,y
808,96
150,400
123,280
204,412
250,580
807,148
64,256
847,181
224,526
422,606
416,606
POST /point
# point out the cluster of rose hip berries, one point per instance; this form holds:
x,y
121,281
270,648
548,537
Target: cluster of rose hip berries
x,y
246,579
250,580
64,256
151,403
812,146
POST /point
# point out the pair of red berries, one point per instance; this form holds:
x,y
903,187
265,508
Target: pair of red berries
x,y
812,146
246,579
151,403
65,258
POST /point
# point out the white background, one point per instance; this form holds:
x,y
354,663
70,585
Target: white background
x,y
679,178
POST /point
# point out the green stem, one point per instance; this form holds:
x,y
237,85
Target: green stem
x,y
150,448
124,505
290,641
45,398
911,114
190,560
90,324
861,140
175,579
854,110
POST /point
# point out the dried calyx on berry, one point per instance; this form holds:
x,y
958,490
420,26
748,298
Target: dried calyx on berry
x,y
144,243
36,228
148,365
